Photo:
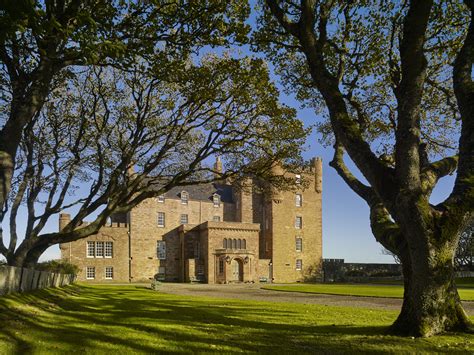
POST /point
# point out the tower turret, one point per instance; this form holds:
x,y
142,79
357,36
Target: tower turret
x,y
318,174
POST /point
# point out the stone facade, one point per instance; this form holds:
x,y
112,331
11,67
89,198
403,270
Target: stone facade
x,y
214,233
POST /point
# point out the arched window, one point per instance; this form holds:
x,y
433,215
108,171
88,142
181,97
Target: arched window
x,y
108,223
225,243
184,197
216,199
244,244
234,243
239,244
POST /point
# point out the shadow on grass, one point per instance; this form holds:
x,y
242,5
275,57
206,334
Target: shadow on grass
x,y
84,318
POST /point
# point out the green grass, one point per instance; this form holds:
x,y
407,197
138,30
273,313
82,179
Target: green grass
x,y
390,291
130,319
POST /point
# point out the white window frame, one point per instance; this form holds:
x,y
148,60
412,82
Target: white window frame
x,y
109,272
161,250
161,220
216,218
184,197
108,249
299,244
299,222
298,179
90,251
184,219
90,272
298,200
216,200
299,264
161,198
99,249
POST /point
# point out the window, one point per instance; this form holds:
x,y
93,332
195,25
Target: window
x,y
108,222
299,264
161,273
221,266
298,200
216,218
90,273
109,249
299,244
244,244
299,222
298,179
99,249
109,272
90,249
239,244
216,199
161,249
184,219
184,198
224,243
161,198
234,243
197,250
161,219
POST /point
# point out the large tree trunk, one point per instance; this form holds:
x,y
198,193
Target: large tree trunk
x,y
431,303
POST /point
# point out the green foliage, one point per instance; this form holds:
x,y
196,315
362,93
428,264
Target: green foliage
x,y
58,266
363,54
94,319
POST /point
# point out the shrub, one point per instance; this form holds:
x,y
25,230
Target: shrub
x,y
58,266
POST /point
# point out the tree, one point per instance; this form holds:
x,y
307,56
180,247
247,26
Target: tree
x,y
70,121
113,138
464,259
394,81
40,39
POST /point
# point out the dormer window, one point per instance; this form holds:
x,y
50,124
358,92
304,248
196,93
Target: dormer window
x,y
216,199
161,198
184,197
298,178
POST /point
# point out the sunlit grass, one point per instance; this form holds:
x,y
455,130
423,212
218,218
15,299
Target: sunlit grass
x,y
130,319
390,291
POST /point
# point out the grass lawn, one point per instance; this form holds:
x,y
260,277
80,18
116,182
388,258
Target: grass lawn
x,y
132,319
391,291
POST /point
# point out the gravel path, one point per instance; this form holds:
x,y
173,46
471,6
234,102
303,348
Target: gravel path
x,y
254,292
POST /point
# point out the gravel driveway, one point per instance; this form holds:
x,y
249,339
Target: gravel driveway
x,y
254,292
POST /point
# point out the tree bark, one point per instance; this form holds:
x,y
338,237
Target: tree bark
x,y
431,303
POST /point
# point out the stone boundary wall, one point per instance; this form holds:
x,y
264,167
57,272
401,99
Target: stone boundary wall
x,y
15,279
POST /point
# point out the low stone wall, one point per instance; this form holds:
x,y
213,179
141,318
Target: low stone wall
x,y
14,279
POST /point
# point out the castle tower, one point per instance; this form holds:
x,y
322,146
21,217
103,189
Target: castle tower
x,y
64,219
318,174
294,238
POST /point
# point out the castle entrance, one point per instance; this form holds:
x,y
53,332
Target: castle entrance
x,y
237,270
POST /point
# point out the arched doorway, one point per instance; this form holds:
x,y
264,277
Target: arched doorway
x,y
237,270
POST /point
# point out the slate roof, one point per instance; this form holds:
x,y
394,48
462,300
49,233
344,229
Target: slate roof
x,y
202,192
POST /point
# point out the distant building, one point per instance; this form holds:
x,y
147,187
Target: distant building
x,y
214,233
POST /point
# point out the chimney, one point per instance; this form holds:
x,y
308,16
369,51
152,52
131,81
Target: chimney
x,y
64,219
218,167
318,174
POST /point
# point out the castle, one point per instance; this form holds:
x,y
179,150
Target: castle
x,y
214,233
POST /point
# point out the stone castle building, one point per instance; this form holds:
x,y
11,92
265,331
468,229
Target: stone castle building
x,y
214,233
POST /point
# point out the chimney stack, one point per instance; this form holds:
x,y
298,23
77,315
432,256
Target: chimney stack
x,y
64,219
218,167
318,174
